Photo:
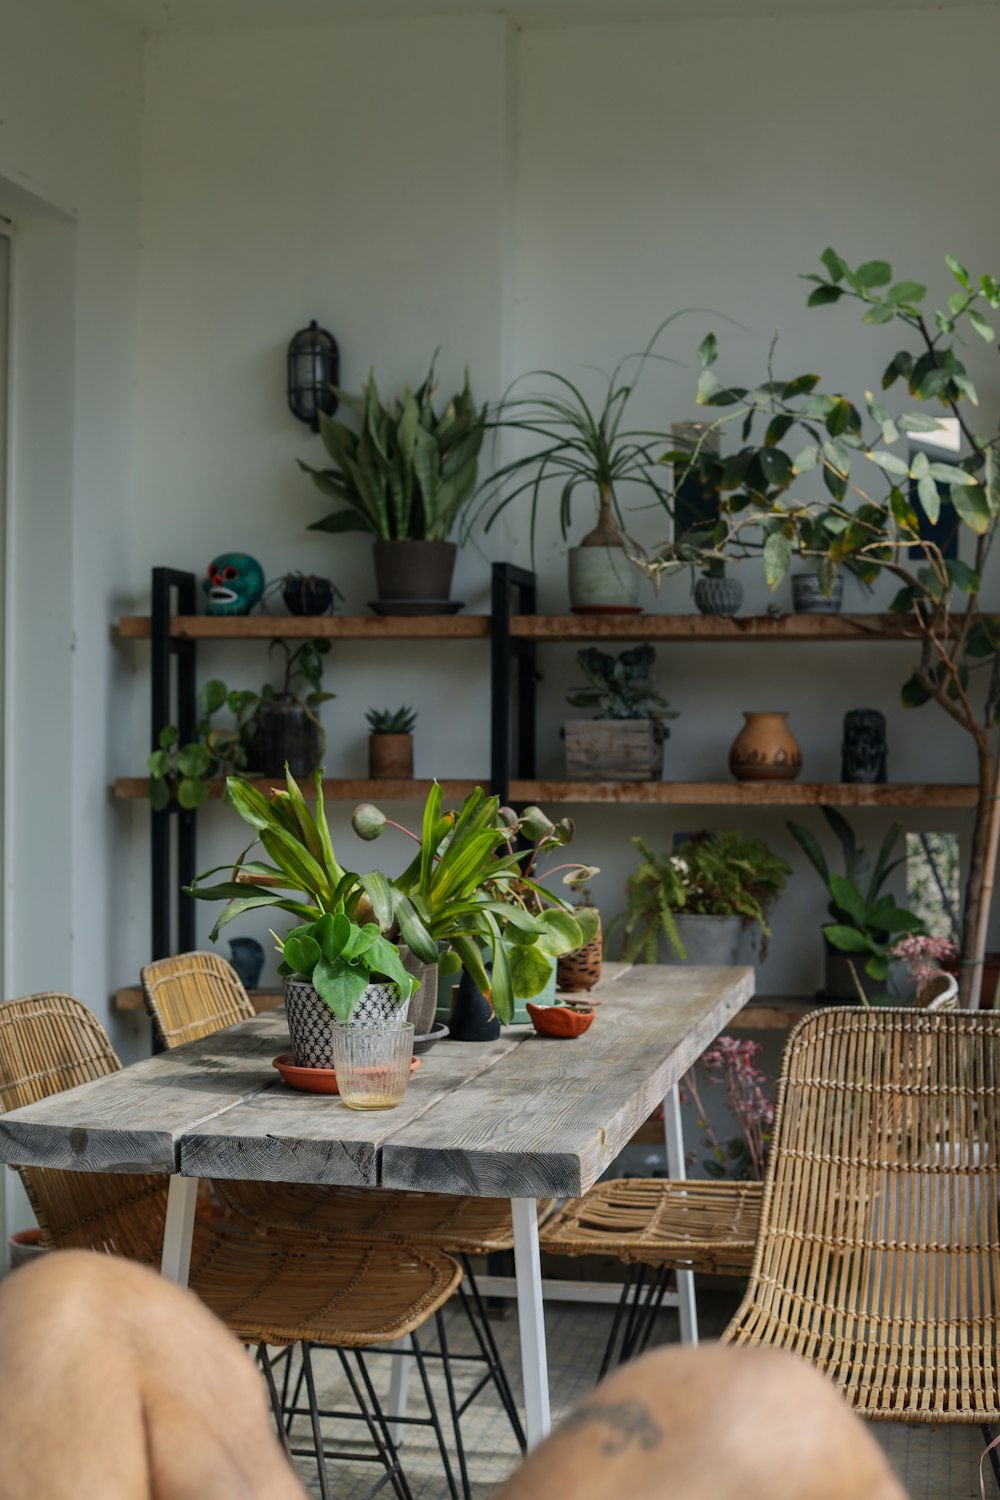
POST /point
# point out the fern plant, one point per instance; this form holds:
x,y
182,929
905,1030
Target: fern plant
x,y
391,720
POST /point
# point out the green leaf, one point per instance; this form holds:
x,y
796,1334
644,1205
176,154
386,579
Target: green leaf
x,y
916,421
193,760
873,273
806,459
191,792
708,387
847,896
882,312
913,693
890,462
981,326
971,503
949,474
930,498
906,291
302,953
169,736
962,576
159,763
822,296
777,467
561,932
530,970
847,939
777,556
959,272
834,264
708,351
158,793
340,986
211,697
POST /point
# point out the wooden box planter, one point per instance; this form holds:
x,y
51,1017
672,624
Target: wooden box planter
x,y
614,749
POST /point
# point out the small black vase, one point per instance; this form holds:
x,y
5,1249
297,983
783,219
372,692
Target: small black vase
x,y
307,595
472,1018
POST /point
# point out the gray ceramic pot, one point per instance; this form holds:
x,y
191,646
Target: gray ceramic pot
x,y
424,1002
718,596
809,599
311,1022
602,580
707,940
414,570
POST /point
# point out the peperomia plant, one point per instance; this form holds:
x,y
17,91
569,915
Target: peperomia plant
x,y
621,686
213,751
821,477
340,959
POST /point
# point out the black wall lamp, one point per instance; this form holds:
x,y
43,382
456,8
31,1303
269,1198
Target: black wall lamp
x,y
313,367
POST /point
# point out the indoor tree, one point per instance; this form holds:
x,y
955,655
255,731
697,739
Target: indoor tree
x,y
818,476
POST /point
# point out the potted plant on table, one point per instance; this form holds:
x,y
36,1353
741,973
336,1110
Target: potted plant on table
x,y
699,897
404,474
581,445
625,741
865,922
390,744
337,963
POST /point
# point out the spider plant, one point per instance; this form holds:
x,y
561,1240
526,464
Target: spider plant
x,y
582,444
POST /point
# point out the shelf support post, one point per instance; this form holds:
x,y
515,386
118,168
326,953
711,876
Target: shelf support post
x,y
166,894
512,718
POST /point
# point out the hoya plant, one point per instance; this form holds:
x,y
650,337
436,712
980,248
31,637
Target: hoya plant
x,y
850,485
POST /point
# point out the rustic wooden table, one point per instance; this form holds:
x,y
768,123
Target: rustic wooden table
x,y
521,1118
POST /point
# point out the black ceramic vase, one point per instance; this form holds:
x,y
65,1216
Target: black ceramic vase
x,y
285,732
864,751
307,595
472,1018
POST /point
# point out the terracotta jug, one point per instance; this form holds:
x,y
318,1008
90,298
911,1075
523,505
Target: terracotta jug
x,y
765,750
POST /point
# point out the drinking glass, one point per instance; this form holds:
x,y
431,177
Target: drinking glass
x,y
372,1064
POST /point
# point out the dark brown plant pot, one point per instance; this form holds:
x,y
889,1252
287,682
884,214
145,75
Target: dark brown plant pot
x,y
286,732
414,570
390,757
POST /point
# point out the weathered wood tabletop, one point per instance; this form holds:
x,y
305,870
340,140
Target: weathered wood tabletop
x,y
520,1117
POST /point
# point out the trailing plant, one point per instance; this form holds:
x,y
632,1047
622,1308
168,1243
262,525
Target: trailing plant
x,y
577,443
865,921
185,769
469,888
820,476
710,875
391,721
402,471
340,959
621,686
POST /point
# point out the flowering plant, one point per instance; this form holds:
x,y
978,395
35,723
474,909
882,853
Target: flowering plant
x,y
923,957
731,1063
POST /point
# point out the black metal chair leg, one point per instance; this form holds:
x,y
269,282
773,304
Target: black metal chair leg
x,y
378,1429
993,1452
609,1347
453,1405
277,1402
317,1431
421,1363
657,1295
484,1334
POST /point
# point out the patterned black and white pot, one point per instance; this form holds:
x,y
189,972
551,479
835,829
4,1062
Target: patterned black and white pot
x,y
311,1021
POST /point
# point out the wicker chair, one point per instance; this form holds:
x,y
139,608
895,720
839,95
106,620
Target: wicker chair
x,y
349,1294
879,1254
195,994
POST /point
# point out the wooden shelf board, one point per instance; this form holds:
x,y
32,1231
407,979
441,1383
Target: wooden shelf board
x,y
322,627
131,787
744,793
651,627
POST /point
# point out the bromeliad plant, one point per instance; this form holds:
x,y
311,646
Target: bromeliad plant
x,y
470,889
405,473
711,875
814,478
621,687
865,921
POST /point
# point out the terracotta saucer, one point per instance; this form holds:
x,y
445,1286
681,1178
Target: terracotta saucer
x,y
314,1080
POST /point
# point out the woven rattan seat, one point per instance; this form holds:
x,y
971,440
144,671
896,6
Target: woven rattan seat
x,y
349,1294
879,1252
697,1226
192,996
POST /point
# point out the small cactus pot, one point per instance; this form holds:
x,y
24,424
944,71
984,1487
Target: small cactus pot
x,y
311,1021
718,596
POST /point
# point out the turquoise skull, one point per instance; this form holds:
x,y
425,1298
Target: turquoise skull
x,y
234,582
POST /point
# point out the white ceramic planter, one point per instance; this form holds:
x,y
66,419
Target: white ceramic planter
x,y
311,1021
602,579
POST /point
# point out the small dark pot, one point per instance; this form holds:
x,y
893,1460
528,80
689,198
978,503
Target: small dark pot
x,y
472,1018
414,570
718,596
838,984
307,595
809,599
286,732
247,957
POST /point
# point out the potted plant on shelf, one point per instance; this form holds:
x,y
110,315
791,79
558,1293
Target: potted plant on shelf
x,y
624,742
285,728
699,897
337,963
185,770
715,593
581,446
865,922
879,513
404,474
390,744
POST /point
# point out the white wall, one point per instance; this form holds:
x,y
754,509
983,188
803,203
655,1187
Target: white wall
x,y
69,161
362,174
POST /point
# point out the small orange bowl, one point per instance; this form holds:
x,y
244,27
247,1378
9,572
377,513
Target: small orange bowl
x,y
561,1020
314,1080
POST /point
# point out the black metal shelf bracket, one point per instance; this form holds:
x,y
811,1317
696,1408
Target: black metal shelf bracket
x,y
174,701
512,680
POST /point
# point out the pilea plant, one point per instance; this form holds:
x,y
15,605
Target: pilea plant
x,y
821,477
214,751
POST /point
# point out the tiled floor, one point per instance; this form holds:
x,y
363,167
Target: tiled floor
x,y
934,1465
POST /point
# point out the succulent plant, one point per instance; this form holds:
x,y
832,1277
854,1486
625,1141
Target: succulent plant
x,y
391,721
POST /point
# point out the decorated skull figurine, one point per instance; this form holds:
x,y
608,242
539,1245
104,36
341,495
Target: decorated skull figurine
x,y
234,582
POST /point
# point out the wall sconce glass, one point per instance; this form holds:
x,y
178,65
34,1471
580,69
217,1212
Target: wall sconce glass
x,y
313,366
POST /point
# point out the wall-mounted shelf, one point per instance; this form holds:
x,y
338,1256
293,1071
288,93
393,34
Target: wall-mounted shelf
x,y
568,628
130,787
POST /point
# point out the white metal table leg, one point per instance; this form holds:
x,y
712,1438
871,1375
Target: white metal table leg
x,y
399,1386
182,1195
673,1132
531,1320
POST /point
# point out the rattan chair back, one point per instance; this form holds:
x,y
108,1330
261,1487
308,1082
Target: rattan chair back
x,y
879,1252
49,1043
192,996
